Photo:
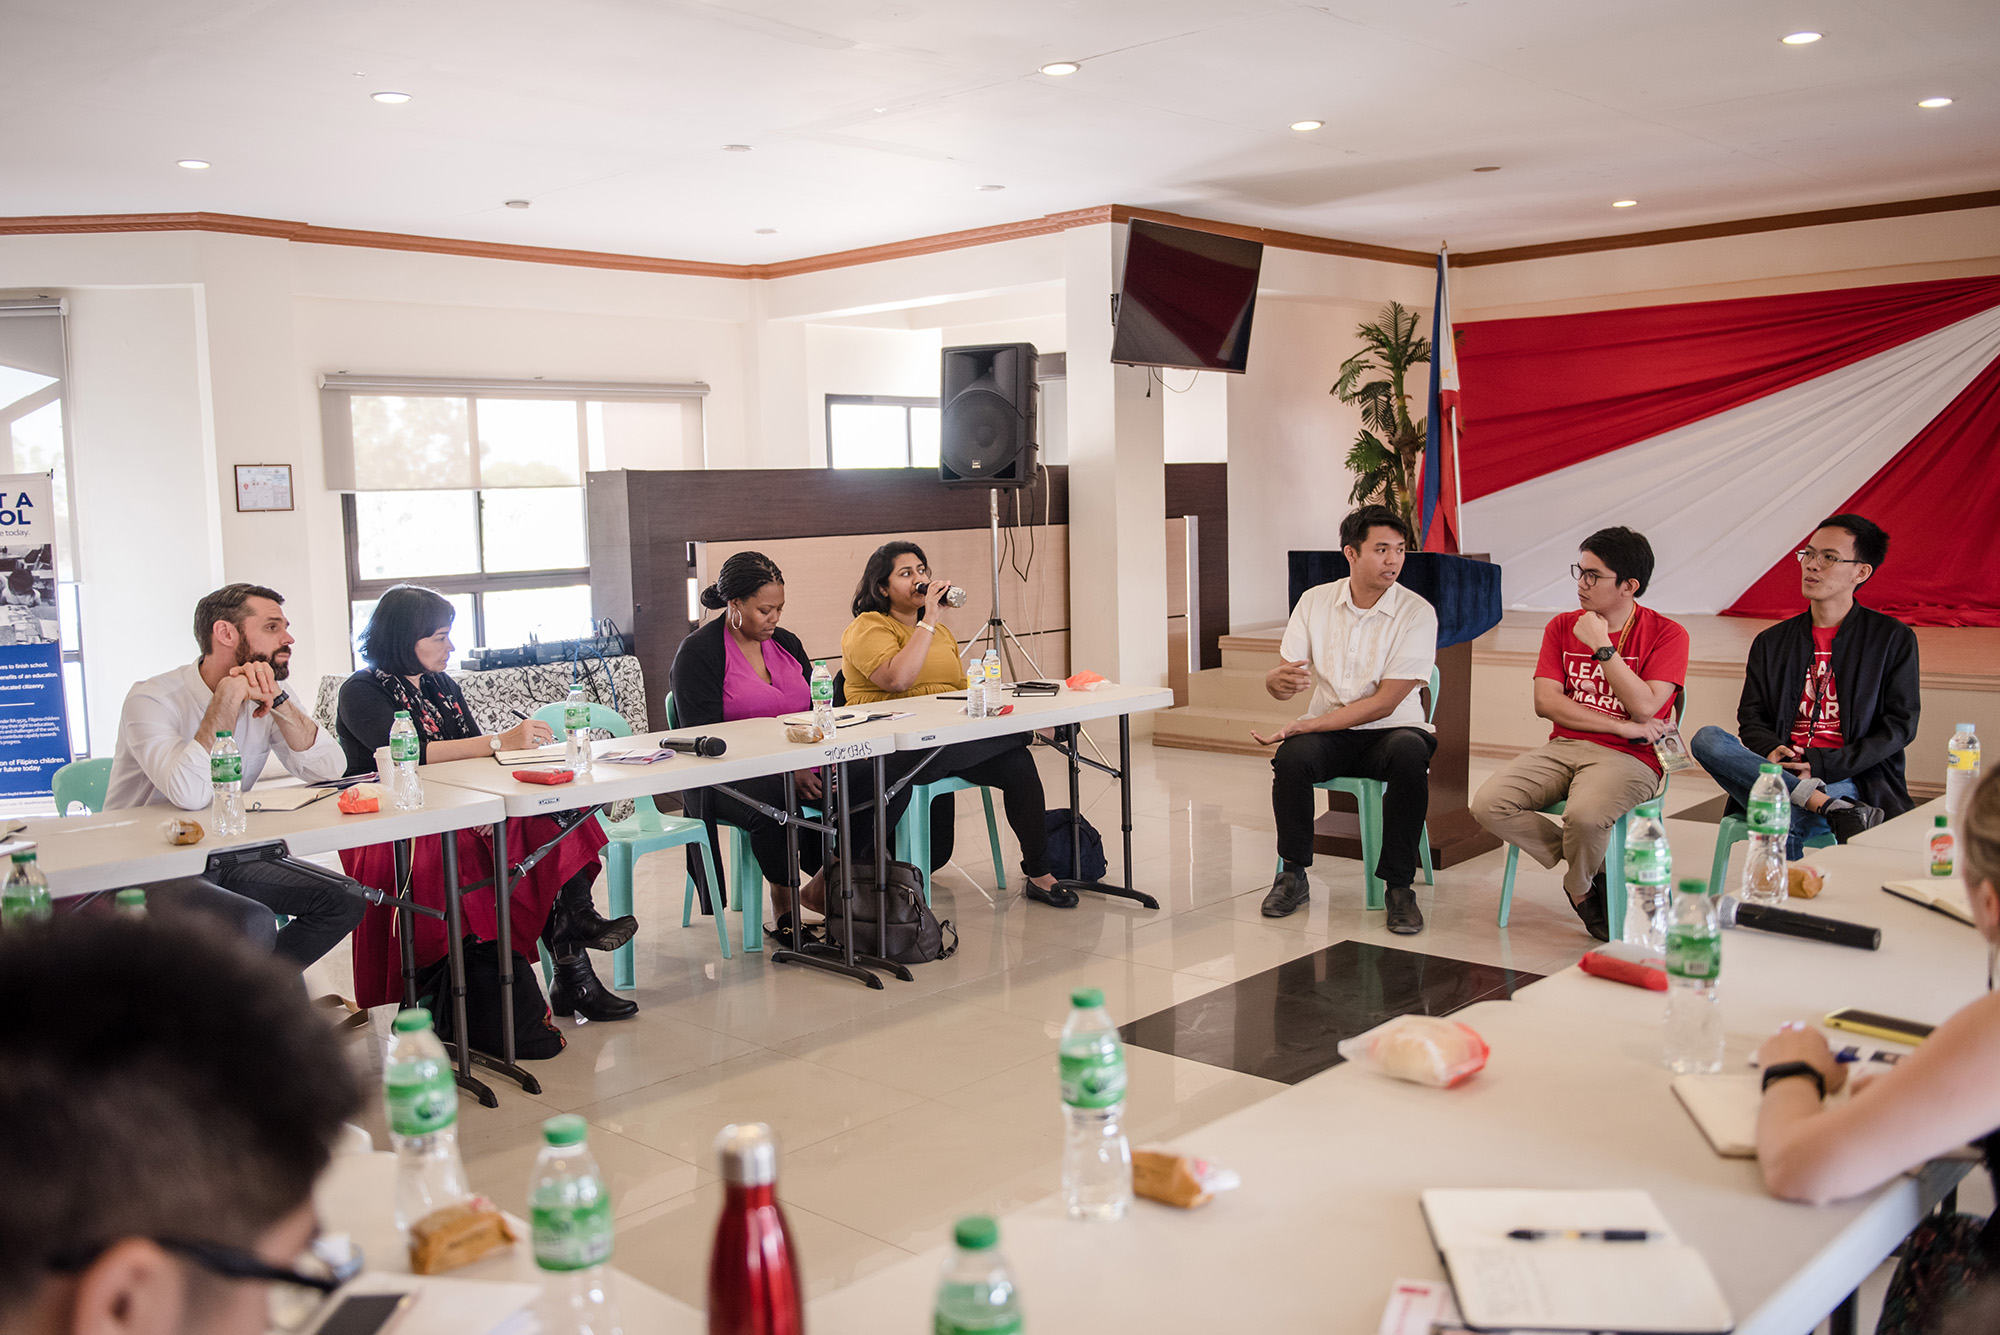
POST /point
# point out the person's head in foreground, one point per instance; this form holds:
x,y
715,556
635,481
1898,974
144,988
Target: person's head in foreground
x,y
167,1099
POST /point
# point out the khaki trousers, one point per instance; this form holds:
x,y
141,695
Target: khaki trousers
x,y
1599,785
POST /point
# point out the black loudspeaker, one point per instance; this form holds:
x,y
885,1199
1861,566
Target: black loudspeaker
x,y
988,433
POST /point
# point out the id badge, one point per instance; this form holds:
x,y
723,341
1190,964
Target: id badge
x,y
1672,752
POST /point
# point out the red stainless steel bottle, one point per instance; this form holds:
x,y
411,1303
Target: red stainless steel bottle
x,y
753,1275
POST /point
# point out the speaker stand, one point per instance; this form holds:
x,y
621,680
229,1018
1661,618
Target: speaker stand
x,y
996,625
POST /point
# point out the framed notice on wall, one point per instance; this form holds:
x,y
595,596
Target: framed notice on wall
x,y
263,487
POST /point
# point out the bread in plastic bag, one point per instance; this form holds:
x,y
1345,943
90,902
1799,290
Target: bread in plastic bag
x,y
1422,1049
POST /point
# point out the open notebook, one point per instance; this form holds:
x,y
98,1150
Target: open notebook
x,y
1658,1287
555,753
1946,894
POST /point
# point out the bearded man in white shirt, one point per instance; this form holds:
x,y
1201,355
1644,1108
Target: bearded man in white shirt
x,y
1363,645
165,731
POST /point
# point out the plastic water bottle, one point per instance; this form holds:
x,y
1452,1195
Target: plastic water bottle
x,y
421,1098
576,722
406,790
1648,878
25,896
1963,772
225,771
822,698
753,1273
1097,1160
569,1213
130,903
1769,813
1694,964
975,689
977,1296
990,671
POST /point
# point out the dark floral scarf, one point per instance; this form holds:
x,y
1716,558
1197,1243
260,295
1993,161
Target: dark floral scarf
x,y
434,704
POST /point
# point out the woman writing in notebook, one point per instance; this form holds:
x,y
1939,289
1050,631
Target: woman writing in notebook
x,y
1940,1097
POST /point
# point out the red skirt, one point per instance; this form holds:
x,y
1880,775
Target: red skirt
x,y
378,963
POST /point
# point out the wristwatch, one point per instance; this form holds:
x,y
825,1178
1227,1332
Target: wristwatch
x,y
494,742
1786,1070
1605,654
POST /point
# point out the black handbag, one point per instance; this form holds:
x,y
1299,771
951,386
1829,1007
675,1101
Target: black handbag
x,y
536,1037
916,936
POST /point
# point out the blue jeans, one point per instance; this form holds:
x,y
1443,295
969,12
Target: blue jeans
x,y
1735,767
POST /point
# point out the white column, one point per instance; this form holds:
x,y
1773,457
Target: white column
x,y
1117,483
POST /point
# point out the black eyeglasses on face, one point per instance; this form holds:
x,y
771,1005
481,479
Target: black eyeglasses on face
x,y
1587,578
227,1262
1808,557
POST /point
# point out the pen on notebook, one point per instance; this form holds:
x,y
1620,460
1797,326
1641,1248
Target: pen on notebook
x,y
1582,1235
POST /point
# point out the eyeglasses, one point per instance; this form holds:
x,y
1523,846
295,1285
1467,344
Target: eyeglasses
x,y
1587,578
295,1292
1813,560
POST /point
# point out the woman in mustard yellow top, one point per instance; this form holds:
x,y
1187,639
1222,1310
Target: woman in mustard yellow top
x,y
895,648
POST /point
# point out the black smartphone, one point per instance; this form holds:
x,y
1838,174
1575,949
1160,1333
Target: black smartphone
x,y
364,1314
1879,1026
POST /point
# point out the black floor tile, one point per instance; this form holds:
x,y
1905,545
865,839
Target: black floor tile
x,y
1284,1023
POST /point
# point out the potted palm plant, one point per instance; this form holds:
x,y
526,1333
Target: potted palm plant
x,y
1383,457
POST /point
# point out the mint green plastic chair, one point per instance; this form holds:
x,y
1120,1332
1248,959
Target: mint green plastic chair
x,y
82,781
1614,865
744,873
646,831
1367,795
913,831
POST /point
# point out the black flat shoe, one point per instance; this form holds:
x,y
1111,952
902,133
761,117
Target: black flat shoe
x,y
577,991
1405,918
1288,895
575,922
808,934
1591,909
1057,896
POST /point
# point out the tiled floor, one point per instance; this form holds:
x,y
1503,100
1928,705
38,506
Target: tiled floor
x,y
902,1109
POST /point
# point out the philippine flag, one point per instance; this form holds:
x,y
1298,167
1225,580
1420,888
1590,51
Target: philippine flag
x,y
1437,487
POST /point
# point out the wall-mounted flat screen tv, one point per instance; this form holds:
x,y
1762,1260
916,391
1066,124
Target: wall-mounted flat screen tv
x,y
1187,298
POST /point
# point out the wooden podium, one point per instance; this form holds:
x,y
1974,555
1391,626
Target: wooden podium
x,y
1465,590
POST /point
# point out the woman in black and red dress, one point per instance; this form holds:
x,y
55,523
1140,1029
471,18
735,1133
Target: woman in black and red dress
x,y
407,646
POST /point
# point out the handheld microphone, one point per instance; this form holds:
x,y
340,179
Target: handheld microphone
x,y
953,596
1790,922
694,746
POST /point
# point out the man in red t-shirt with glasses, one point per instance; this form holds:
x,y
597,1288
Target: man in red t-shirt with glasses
x,y
1831,695
1606,680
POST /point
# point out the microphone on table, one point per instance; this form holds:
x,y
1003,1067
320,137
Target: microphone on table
x,y
1790,922
694,746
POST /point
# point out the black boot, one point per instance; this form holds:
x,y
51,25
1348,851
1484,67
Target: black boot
x,y
574,921
576,991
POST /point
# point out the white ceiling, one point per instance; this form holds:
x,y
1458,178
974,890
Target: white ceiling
x,y
874,120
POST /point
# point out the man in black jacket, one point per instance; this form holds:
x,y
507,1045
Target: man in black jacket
x,y
1831,696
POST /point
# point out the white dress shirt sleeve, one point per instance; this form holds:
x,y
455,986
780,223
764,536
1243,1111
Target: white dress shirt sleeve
x,y
322,760
1414,652
153,733
1297,641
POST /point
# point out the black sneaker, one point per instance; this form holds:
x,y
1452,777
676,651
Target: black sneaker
x,y
1847,818
1405,918
1591,909
1289,894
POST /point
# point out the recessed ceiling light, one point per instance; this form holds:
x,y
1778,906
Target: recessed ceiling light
x,y
767,231
1623,203
1055,69
1486,169
736,148
517,203
989,187
393,99
1800,38
1303,126
1935,102
194,164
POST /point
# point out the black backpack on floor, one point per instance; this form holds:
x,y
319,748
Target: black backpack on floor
x,y
915,934
536,1037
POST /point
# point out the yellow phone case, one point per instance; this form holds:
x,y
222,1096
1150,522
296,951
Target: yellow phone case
x,y
1837,1021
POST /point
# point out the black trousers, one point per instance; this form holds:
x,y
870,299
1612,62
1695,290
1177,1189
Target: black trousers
x,y
1006,763
250,893
1400,757
767,837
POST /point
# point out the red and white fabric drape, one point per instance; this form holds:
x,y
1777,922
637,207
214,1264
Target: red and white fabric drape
x,y
1726,430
